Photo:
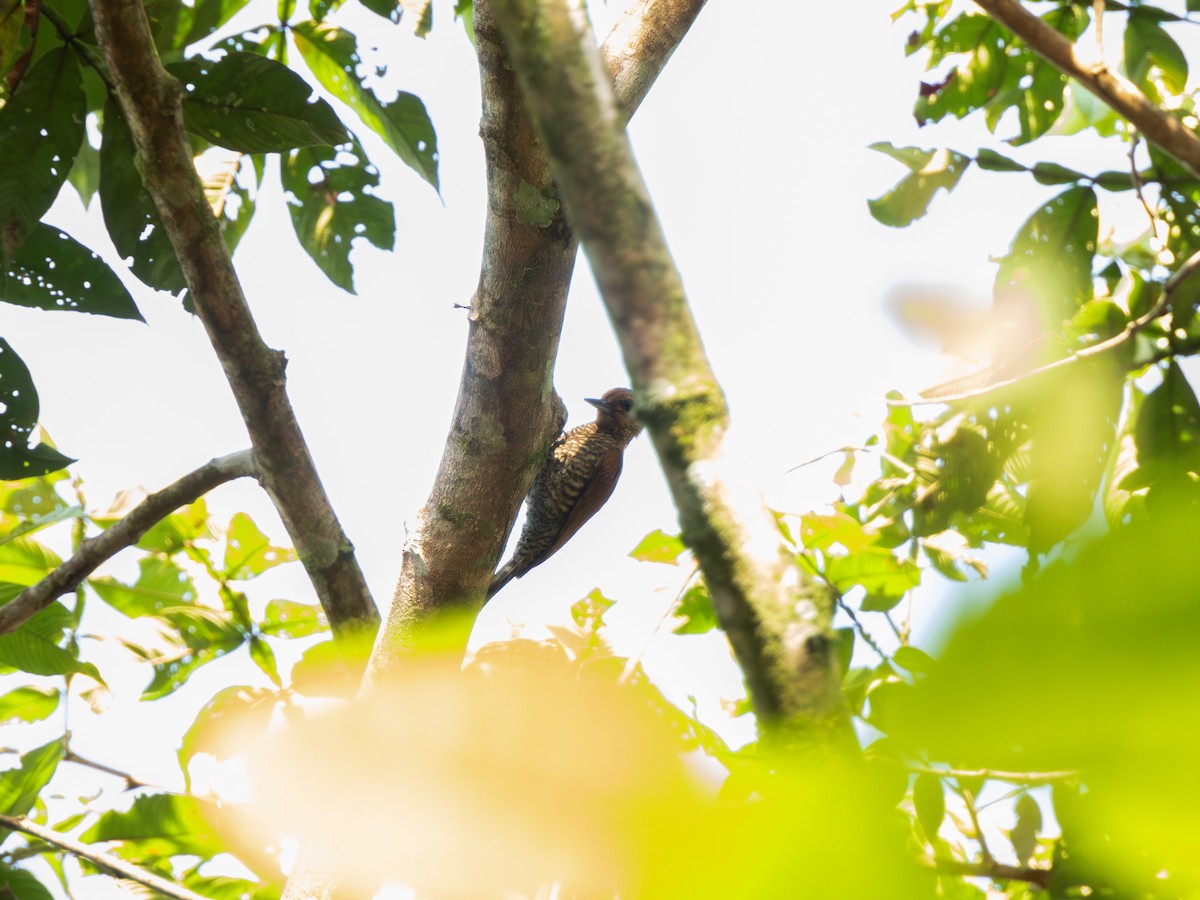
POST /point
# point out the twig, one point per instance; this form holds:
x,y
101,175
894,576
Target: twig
x,y
631,664
150,100
858,627
1139,184
1026,778
1185,271
114,864
969,801
1098,12
1117,91
990,869
125,533
71,756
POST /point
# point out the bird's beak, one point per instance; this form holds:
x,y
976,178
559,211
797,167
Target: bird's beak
x,y
599,404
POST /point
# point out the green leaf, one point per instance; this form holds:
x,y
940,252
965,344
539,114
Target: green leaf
x,y
33,647
234,718
696,610
41,128
20,787
28,704
1053,173
1147,48
330,197
161,585
885,578
161,825
929,800
132,221
21,884
1121,498
19,410
992,161
1167,435
200,20
288,619
1050,261
332,55
821,532
170,675
247,102
909,200
248,552
659,547
54,271
264,658
173,533
322,671
914,659
977,78
25,562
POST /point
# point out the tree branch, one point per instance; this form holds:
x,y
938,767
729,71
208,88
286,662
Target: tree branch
x,y
114,864
150,101
781,634
507,413
125,533
1118,92
991,869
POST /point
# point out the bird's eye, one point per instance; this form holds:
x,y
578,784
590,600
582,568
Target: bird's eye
x,y
627,405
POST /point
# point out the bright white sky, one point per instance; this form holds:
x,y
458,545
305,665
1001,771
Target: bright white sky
x,y
753,144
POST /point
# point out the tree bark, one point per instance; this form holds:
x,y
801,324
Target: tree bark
x,y
150,100
507,412
779,625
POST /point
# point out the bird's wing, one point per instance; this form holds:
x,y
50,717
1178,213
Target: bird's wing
x,y
599,488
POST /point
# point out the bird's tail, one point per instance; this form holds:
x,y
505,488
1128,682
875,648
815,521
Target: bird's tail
x,y
503,576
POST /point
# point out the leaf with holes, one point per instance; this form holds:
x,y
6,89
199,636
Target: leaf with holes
x,y
18,415
227,723
41,129
659,547
247,102
1150,50
53,271
161,585
29,704
332,205
132,221
332,55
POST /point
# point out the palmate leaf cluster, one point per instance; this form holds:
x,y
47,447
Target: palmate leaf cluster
x,y
60,124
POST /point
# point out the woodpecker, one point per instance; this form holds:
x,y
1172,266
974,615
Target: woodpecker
x,y
580,473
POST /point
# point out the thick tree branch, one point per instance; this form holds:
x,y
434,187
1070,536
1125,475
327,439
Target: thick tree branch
x,y
507,412
779,631
114,864
1118,92
150,101
125,533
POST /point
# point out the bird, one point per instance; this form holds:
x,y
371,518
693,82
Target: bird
x,y
577,478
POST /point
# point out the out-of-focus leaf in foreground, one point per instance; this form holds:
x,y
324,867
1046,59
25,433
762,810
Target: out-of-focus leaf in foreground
x,y
1093,667
525,772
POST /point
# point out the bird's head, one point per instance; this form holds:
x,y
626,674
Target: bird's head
x,y
615,413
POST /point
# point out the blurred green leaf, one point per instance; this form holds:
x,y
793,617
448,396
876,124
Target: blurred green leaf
x,y
28,704
21,884
20,787
161,825
161,585
659,547
248,552
909,200
25,562
992,161
264,658
914,659
929,800
1025,832
696,610
288,619
234,718
1149,47
885,578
